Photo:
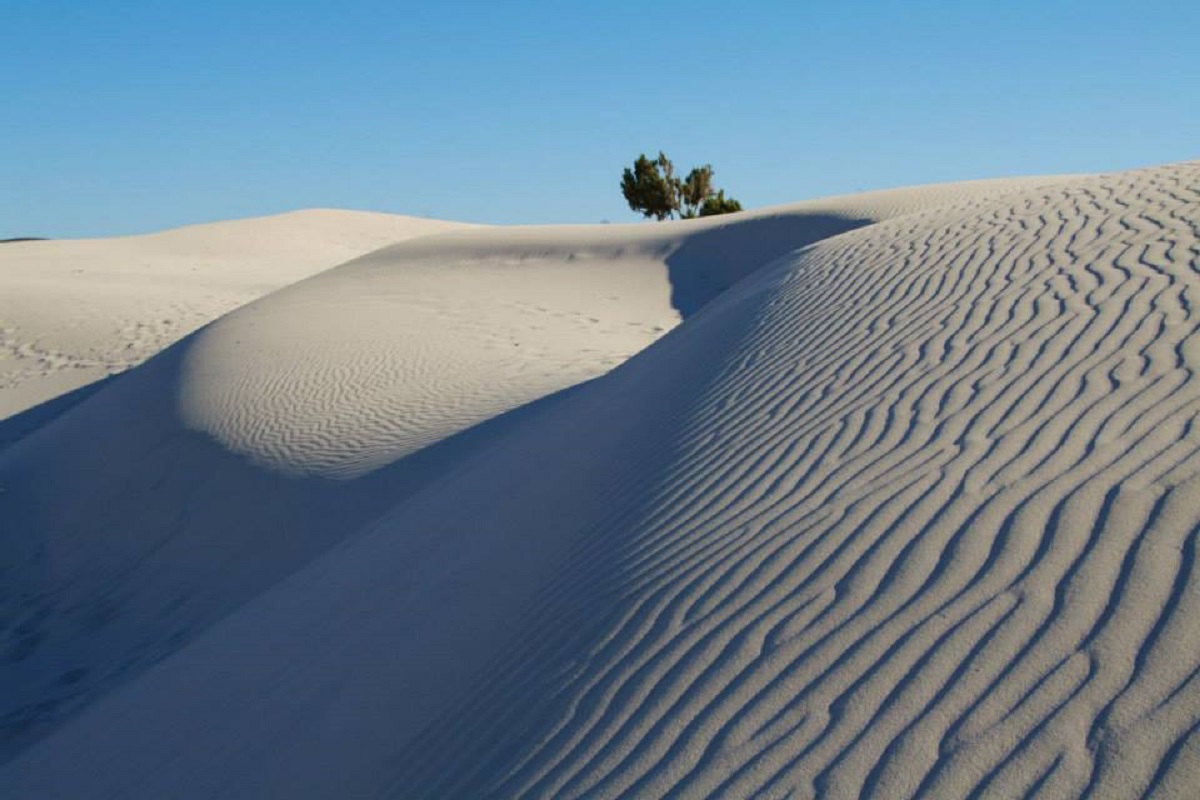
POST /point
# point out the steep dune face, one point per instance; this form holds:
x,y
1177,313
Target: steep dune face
x,y
908,511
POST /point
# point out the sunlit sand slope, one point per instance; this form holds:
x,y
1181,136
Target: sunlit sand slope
x,y
75,311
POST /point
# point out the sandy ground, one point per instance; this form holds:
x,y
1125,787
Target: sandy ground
x,y
887,495
75,311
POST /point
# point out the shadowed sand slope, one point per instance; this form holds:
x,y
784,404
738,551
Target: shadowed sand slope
x,y
907,511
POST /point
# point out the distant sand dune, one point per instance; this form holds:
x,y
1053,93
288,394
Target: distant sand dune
x,y
904,504
75,311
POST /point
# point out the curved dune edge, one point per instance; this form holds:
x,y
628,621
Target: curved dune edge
x,y
909,512
75,311
342,374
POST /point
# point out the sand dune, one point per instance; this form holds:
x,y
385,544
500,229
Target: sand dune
x,y
243,452
75,311
903,504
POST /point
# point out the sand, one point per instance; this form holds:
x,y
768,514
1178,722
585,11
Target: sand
x,y
886,495
75,311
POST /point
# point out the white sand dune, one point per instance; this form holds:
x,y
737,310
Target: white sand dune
x,y
906,505
248,449
74,311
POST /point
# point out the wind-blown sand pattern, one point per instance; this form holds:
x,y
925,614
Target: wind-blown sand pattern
x,y
905,506
75,311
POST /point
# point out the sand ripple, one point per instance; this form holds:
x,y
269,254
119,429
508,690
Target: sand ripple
x,y
928,527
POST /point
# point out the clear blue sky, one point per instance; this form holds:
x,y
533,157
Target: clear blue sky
x,y
121,117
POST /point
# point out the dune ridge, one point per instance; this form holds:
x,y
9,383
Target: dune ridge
x,y
927,531
904,506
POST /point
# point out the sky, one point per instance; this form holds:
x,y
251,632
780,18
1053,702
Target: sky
x,y
135,116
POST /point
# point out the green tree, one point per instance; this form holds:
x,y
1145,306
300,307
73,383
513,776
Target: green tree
x,y
651,188
695,190
719,204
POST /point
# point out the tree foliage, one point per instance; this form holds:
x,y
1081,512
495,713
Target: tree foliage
x,y
651,188
719,204
695,189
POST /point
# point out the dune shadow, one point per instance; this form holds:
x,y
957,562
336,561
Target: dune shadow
x,y
23,423
125,534
530,711
711,261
